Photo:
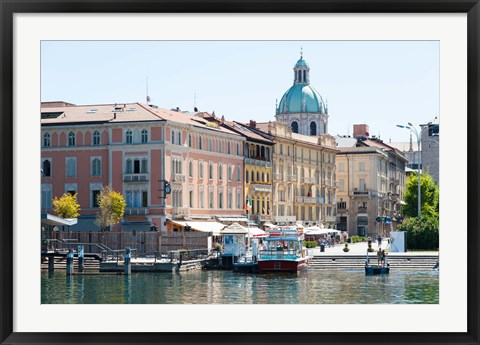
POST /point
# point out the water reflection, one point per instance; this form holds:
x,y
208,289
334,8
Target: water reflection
x,y
224,287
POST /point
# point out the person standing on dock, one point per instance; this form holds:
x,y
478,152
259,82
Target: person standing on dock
x,y
379,256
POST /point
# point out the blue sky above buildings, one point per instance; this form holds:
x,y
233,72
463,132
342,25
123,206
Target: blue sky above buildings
x,y
381,83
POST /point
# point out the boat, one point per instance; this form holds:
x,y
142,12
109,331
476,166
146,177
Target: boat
x,y
283,251
383,268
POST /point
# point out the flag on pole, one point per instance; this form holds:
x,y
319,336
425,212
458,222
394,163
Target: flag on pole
x,y
249,205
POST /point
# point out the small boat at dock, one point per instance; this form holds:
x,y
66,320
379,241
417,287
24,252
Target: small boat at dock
x,y
382,268
283,251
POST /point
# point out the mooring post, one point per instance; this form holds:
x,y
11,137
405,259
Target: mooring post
x,y
70,262
51,263
126,260
80,258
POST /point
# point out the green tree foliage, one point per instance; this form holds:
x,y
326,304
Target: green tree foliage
x,y
429,196
421,233
112,207
66,206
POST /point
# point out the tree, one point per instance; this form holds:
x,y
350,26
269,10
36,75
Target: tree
x,y
422,233
429,196
66,206
112,207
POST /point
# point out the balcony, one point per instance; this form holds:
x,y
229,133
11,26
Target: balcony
x,y
330,219
362,210
258,162
136,211
135,177
177,178
285,219
266,188
180,211
307,199
264,217
361,192
309,180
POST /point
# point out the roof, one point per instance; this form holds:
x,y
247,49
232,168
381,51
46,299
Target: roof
x,y
404,146
301,98
120,113
345,142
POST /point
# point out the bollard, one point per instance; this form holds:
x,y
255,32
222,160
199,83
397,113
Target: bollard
x,y
51,263
70,262
80,259
126,260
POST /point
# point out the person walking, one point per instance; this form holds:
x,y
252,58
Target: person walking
x,y
379,239
379,256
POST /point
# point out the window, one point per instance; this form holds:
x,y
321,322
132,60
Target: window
x,y
294,127
190,168
190,198
47,168
210,147
220,172
46,140
128,136
96,167
361,184
95,194
173,137
342,205
228,148
177,165
71,166
71,139
96,138
46,197
238,173
200,169
238,149
144,136
253,176
210,171
128,166
144,166
229,199
246,176
341,167
201,197
179,138
361,166
229,172
199,143
258,177
220,199
239,199
210,198
313,128
219,146
189,140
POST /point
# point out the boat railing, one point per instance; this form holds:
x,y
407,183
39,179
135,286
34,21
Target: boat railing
x,y
283,254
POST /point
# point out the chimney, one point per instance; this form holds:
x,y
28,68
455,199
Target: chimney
x,y
360,131
253,124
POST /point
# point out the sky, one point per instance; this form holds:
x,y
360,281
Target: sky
x,y
379,83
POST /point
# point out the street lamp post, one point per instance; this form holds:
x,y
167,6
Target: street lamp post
x,y
419,138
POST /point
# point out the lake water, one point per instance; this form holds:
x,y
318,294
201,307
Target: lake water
x,y
226,287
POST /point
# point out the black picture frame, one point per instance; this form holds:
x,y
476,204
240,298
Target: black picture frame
x,y
10,7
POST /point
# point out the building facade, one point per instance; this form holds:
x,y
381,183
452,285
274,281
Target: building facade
x,y
371,183
430,145
135,148
304,177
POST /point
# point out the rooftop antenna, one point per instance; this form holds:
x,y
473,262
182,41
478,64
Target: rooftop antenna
x,y
148,97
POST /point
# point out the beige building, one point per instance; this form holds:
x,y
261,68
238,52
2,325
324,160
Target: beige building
x,y
304,180
371,183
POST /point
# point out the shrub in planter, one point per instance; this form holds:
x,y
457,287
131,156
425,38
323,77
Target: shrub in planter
x,y
310,244
346,249
370,249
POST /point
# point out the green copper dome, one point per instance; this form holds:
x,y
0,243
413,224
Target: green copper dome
x,y
301,97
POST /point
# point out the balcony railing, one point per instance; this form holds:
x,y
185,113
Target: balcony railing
x,y
181,211
307,199
261,188
178,178
361,192
310,180
285,219
135,177
136,211
362,210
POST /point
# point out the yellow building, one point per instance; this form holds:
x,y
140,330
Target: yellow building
x,y
304,181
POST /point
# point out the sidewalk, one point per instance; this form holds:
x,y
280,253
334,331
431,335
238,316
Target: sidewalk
x,y
361,249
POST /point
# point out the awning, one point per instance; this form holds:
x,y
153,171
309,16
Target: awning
x,y
233,219
213,227
255,232
315,230
235,228
50,219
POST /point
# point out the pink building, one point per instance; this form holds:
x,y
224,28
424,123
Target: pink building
x,y
135,147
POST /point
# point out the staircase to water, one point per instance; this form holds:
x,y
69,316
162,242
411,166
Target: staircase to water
x,y
397,262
